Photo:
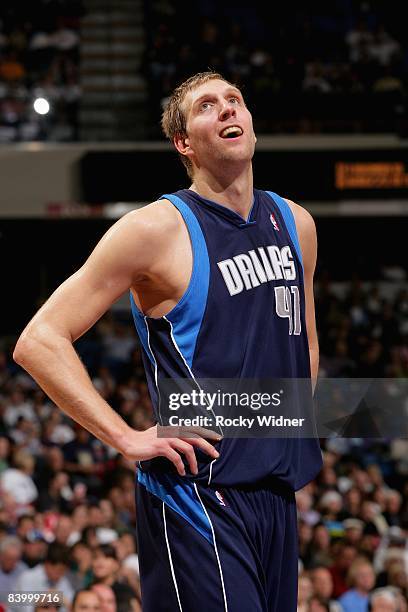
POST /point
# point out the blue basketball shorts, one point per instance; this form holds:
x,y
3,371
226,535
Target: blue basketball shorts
x,y
205,549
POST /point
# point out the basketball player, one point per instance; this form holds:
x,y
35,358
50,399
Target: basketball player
x,y
211,270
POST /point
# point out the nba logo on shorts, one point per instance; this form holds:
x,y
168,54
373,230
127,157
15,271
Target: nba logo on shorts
x,y
274,223
220,498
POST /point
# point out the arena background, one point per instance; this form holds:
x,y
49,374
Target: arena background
x,y
327,84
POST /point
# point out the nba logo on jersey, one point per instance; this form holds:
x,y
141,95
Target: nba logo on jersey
x,y
220,498
274,222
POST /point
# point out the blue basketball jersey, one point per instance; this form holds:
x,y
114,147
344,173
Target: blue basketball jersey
x,y
233,322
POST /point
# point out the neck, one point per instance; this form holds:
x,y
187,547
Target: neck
x,y
362,591
233,190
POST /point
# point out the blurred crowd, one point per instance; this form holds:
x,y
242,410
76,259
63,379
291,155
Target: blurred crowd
x,y
39,59
303,66
67,510
307,67
363,330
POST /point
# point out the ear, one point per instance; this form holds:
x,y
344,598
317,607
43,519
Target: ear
x,y
182,144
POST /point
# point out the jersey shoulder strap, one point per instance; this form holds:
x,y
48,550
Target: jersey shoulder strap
x,y
289,220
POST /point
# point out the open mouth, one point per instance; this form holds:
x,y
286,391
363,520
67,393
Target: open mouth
x,y
231,132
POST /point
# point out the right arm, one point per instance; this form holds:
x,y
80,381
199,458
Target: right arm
x,y
126,255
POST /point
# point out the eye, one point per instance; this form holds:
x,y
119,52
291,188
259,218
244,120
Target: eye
x,y
234,99
204,106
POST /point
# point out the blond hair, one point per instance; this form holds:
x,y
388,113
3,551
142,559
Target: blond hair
x,y
354,567
174,121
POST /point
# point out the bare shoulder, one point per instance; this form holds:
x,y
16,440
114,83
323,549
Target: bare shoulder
x,y
304,220
137,241
306,230
154,220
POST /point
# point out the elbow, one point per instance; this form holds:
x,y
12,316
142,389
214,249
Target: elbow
x,y
26,347
36,343
21,351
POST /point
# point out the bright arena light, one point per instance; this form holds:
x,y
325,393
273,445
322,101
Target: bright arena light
x,y
41,106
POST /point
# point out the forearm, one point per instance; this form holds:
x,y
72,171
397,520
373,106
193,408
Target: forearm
x,y
52,361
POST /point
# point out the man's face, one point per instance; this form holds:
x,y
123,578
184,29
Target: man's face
x,y
322,582
35,550
87,602
353,534
365,578
55,571
382,604
347,557
64,528
26,525
106,597
210,109
104,567
9,559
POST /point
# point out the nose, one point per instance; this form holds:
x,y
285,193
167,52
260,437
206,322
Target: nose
x,y
226,112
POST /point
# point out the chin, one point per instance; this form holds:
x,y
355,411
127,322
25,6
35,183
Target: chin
x,y
237,158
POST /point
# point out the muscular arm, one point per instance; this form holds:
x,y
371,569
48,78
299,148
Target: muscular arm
x,y
128,254
308,243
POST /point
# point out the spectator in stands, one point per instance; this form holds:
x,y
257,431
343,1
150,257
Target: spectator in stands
x,y
353,531
17,480
49,464
361,580
126,548
25,524
383,600
49,575
343,559
315,80
81,564
63,529
79,519
384,48
305,592
57,496
320,545
106,596
393,508
107,571
18,406
84,458
306,513
372,517
11,565
305,537
358,38
118,345
86,600
322,582
90,538
5,451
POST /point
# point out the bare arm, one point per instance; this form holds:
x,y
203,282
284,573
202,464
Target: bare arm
x,y
126,255
308,243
